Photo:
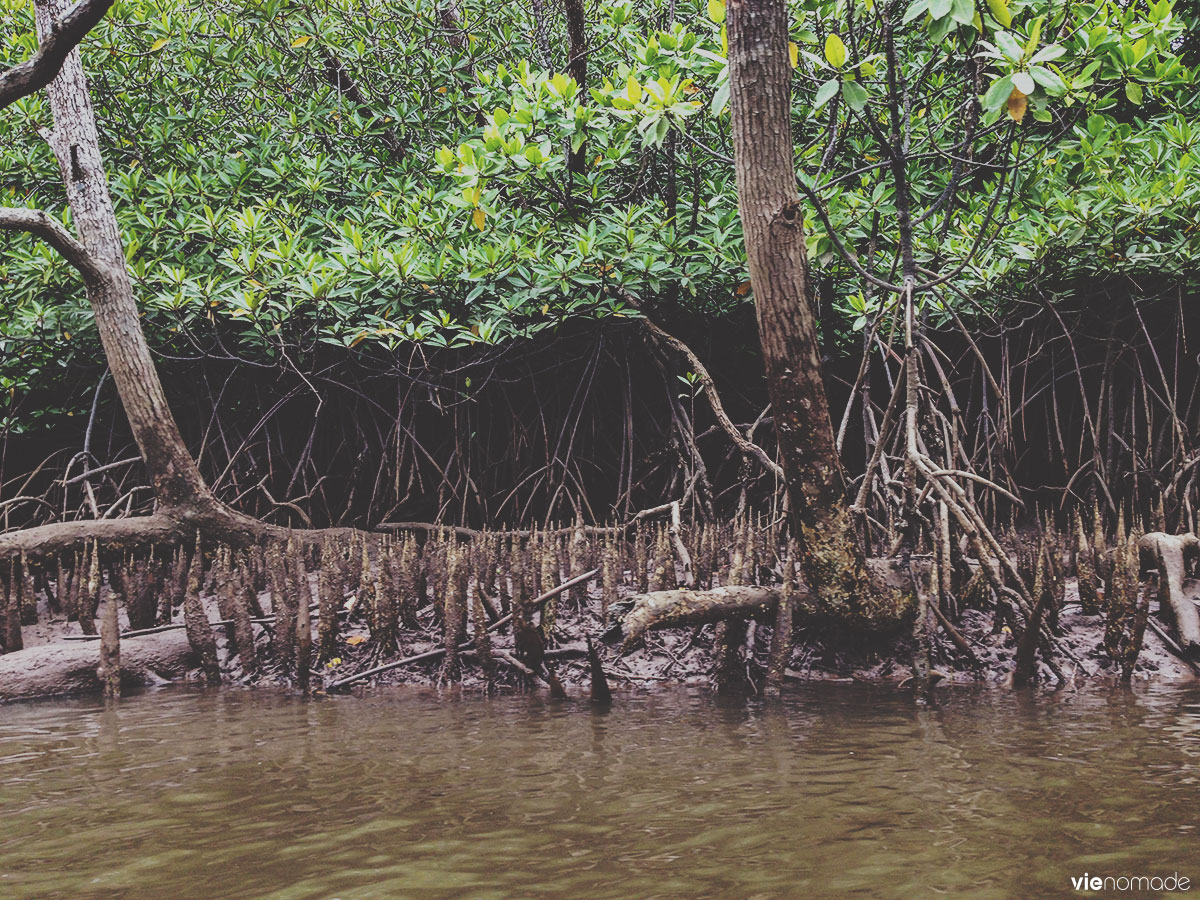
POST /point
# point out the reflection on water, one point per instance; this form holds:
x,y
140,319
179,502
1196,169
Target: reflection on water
x,y
842,791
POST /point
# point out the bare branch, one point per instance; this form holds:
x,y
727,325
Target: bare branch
x,y
65,34
709,387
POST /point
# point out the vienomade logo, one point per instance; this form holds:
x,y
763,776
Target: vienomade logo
x,y
1173,882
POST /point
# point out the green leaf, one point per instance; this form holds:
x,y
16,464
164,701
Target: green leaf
x,y
855,94
998,93
1009,46
1048,53
1024,83
939,9
962,11
720,98
939,28
835,51
1035,35
1133,91
1049,80
825,93
916,10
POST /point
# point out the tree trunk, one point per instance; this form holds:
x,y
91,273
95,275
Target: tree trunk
x,y
773,222
177,481
577,69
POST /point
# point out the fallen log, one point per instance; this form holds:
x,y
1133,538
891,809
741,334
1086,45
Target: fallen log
x,y
1169,553
56,669
672,609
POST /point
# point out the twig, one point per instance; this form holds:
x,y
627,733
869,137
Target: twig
x,y
220,623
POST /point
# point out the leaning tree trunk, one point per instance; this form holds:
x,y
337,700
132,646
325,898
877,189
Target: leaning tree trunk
x,y
833,563
177,482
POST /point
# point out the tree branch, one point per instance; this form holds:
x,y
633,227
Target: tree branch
x,y
665,339
65,34
50,230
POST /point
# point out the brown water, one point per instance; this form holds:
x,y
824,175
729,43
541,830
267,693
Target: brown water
x,y
840,792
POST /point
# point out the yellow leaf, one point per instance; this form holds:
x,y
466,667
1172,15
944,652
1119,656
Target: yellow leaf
x,y
1017,105
442,89
302,40
716,11
633,90
545,309
743,289
1001,12
479,217
793,53
835,51
355,640
362,336
159,44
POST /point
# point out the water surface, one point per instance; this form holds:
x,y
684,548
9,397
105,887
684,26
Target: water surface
x,y
840,791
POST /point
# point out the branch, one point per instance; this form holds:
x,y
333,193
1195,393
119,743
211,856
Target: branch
x,y
65,34
50,230
661,337
843,251
58,537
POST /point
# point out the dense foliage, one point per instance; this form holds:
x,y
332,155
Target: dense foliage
x,y
367,175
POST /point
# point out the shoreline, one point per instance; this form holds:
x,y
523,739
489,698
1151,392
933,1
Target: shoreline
x,y
670,657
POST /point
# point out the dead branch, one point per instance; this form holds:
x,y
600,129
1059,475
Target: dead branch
x,y
673,609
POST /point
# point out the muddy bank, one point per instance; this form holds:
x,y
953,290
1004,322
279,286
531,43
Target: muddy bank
x,y
54,663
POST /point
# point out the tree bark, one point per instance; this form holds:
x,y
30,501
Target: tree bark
x,y
70,668
1169,554
74,140
57,41
577,69
673,609
833,563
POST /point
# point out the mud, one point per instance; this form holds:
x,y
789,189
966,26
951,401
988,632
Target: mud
x,y
53,664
